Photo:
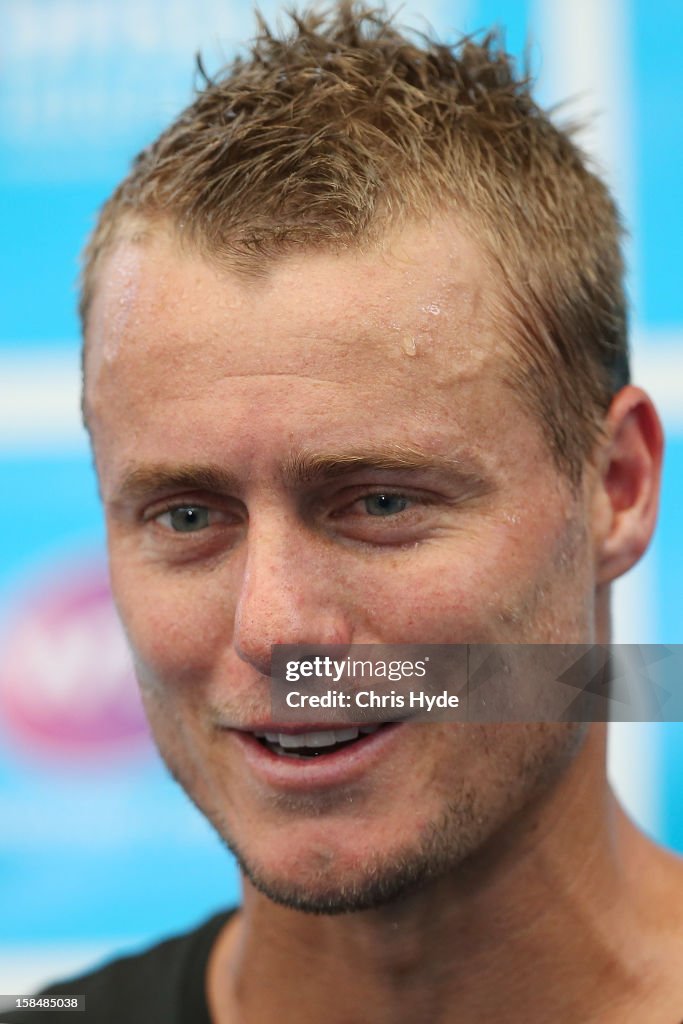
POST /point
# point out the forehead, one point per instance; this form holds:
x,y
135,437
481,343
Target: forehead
x,y
395,345
157,305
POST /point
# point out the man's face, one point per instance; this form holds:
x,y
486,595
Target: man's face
x,y
329,454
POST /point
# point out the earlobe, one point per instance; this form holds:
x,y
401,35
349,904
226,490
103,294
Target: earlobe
x,y
625,510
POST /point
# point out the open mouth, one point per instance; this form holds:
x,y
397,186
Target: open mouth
x,y
314,744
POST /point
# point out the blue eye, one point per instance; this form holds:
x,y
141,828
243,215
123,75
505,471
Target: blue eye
x,y
385,504
186,518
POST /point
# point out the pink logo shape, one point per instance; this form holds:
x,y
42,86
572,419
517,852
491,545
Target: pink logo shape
x,y
66,679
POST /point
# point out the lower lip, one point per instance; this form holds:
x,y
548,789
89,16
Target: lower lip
x,y
304,773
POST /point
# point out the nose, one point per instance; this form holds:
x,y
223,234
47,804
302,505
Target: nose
x,y
290,593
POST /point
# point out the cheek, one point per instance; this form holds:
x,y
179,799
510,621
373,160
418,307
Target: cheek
x,y
456,589
489,771
429,607
508,578
176,624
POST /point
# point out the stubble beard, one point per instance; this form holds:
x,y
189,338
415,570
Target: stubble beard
x,y
378,883
468,829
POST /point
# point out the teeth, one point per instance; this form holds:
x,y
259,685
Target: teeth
x,y
321,738
315,739
291,742
341,735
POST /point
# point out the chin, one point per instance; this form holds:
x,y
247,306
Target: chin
x,y
324,878
338,892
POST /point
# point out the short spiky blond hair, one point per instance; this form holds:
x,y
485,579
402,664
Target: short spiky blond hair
x,y
327,136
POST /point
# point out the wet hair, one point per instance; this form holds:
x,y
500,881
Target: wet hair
x,y
340,127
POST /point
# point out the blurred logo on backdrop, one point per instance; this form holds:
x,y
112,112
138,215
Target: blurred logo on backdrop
x,y
67,686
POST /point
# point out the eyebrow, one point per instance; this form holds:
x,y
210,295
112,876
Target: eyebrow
x,y
142,481
303,469
309,467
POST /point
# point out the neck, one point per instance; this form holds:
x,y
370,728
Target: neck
x,y
543,919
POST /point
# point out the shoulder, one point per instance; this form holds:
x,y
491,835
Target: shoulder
x,y
163,984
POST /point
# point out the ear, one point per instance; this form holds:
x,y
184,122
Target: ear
x,y
627,488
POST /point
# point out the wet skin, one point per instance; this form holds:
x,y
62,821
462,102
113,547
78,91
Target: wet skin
x,y
359,470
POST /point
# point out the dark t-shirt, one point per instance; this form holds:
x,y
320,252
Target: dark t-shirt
x,y
163,985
